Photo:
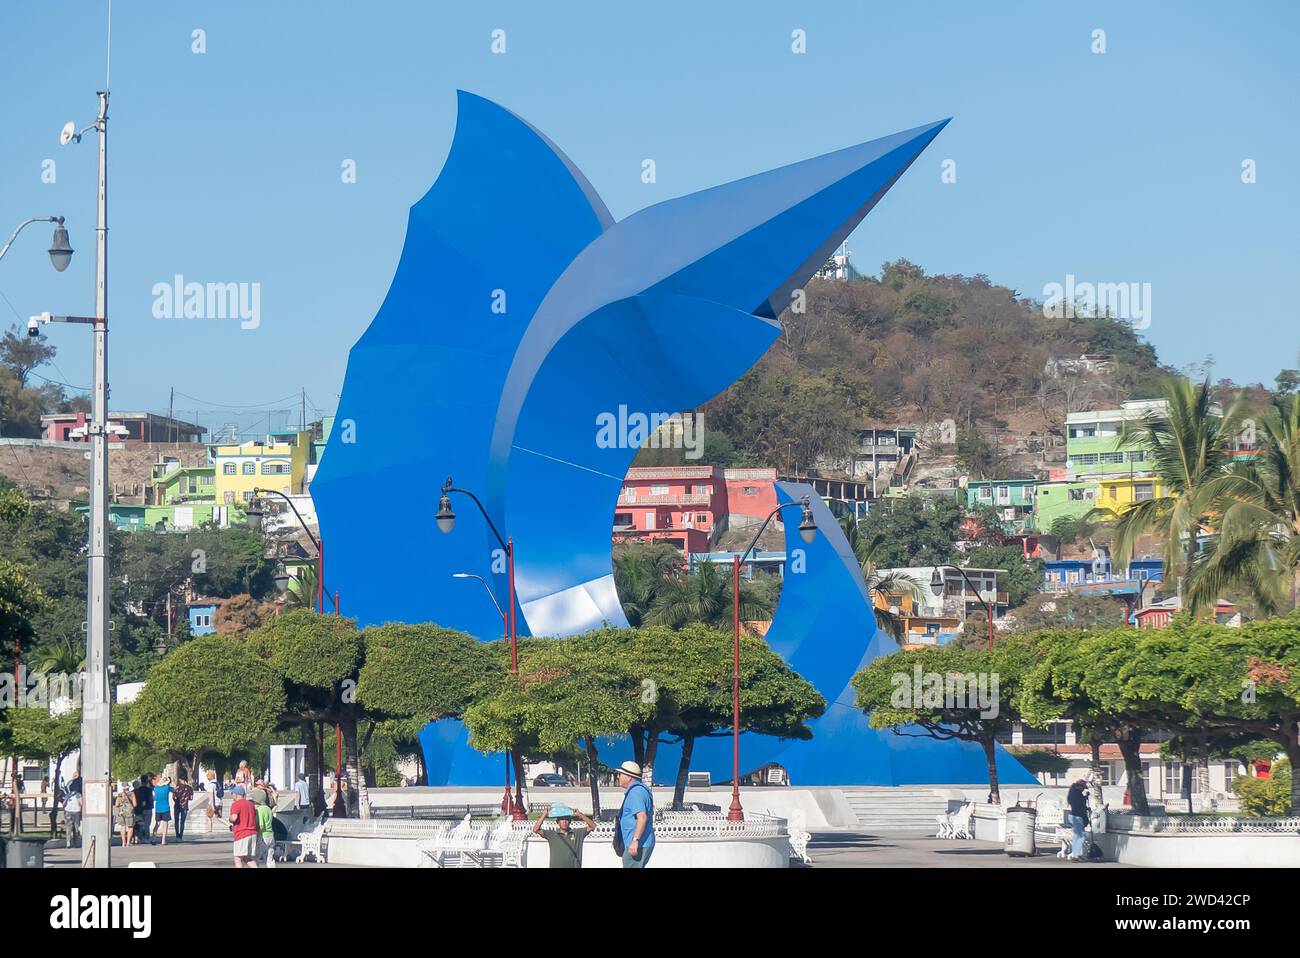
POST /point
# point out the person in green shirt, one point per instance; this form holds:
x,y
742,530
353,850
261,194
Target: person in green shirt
x,y
564,840
266,830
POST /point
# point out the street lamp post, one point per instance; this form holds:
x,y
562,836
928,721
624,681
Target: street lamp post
x,y
507,801
936,582
255,516
96,733
446,519
807,532
60,250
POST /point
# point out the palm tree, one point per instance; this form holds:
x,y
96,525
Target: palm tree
x,y
640,574
705,596
868,551
1257,542
302,589
1188,447
60,656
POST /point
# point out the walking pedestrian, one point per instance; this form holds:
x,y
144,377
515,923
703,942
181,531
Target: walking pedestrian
x,y
243,822
244,775
266,831
634,829
181,798
214,792
302,790
72,819
124,809
144,808
162,807
1077,799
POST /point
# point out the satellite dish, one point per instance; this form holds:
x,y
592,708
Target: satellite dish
x,y
68,133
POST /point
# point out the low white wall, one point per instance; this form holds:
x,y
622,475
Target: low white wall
x,y
1202,851
403,852
823,807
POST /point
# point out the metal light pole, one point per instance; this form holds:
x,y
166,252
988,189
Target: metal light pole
x,y
507,801
936,582
808,532
96,733
446,519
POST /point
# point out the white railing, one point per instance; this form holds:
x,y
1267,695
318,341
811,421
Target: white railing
x,y
1202,825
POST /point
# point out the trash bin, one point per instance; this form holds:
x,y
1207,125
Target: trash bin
x,y
24,852
1020,830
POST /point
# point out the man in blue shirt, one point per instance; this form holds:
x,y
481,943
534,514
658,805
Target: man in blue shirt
x,y
636,819
303,792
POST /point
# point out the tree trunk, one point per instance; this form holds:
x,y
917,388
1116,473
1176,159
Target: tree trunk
x,y
518,760
1098,800
351,759
1130,746
638,744
311,765
54,787
683,771
990,756
593,770
651,750
1292,749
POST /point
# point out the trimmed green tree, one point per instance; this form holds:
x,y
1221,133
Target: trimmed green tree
x,y
210,693
945,693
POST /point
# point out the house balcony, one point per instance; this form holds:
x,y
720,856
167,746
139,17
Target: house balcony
x,y
669,499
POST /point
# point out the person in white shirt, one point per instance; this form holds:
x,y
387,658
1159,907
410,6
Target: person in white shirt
x,y
72,819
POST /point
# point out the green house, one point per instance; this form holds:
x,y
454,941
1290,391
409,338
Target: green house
x,y
176,483
1062,500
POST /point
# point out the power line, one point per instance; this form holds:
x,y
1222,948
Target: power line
x,y
218,405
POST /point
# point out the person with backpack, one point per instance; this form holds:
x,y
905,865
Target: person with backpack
x,y
634,828
144,809
1077,800
215,792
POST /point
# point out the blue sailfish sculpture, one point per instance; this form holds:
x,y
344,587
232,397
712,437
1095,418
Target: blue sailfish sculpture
x,y
495,369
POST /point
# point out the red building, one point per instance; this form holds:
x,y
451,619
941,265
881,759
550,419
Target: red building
x,y
130,428
689,506
674,504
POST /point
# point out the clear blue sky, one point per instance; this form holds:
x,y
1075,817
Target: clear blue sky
x,y
225,166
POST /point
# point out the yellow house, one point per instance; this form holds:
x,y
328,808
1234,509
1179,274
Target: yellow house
x,y
278,463
1120,492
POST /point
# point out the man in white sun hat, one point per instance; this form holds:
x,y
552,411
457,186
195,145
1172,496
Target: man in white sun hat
x,y
634,829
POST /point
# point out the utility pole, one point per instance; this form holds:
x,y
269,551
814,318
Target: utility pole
x,y
96,739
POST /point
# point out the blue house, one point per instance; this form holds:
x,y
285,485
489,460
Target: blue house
x,y
202,614
1096,576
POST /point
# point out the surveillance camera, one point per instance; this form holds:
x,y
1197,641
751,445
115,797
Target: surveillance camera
x,y
33,327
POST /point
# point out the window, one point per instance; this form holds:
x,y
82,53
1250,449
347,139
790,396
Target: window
x,y
275,468
1076,495
1230,772
702,490
1107,773
248,496
1144,490
701,519
658,490
1112,457
1137,456
228,469
1087,459
250,469
1173,779
229,498
749,490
